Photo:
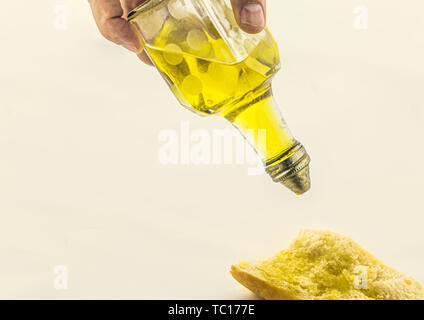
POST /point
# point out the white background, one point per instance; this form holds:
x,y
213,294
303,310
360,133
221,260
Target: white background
x,y
81,184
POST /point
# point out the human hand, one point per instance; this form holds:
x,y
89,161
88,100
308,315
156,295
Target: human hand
x,y
110,18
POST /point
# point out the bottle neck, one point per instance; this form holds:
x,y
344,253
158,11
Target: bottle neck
x,y
258,118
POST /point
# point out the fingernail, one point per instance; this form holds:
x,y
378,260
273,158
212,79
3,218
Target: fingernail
x,y
252,14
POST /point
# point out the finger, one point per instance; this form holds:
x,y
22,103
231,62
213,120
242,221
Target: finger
x,y
145,58
128,5
108,16
250,14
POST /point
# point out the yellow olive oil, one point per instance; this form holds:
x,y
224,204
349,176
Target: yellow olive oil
x,y
240,92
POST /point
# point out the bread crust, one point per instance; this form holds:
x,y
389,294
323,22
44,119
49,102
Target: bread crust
x,y
260,286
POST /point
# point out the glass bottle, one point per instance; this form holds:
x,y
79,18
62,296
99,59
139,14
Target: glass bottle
x,y
215,68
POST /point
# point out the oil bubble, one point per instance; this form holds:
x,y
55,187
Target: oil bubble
x,y
173,54
192,85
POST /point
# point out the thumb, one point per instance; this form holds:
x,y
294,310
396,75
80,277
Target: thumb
x,y
250,14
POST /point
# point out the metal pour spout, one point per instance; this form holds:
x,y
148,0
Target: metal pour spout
x,y
292,170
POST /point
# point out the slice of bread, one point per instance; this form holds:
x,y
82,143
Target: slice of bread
x,y
326,265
